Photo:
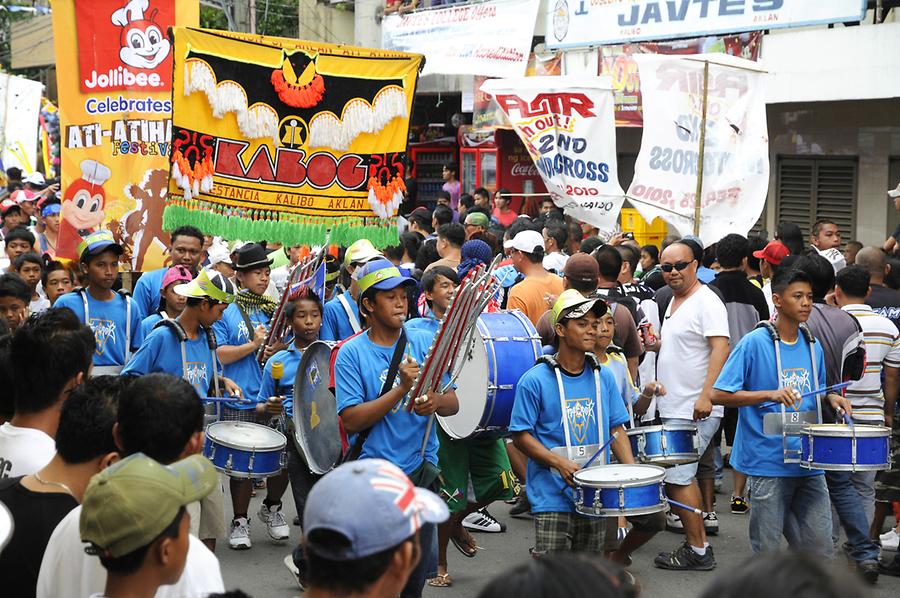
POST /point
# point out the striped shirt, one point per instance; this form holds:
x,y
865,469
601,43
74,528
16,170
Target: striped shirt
x,y
882,350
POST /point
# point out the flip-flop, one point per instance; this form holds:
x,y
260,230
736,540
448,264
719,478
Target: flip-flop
x,y
443,580
466,550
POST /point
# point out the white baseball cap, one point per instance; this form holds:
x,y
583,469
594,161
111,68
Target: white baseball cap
x,y
895,192
526,241
35,178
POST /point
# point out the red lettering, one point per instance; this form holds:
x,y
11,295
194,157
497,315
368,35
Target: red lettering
x,y
290,169
228,158
351,172
548,103
321,170
260,168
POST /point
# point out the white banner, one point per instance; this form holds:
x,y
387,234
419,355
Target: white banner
x,y
568,127
574,23
490,38
736,151
20,104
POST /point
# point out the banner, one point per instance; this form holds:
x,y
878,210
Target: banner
x,y
114,75
617,61
20,105
279,139
485,112
490,38
567,126
736,152
581,23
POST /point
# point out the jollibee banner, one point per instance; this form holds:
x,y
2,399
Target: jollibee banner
x,y
114,74
736,152
568,128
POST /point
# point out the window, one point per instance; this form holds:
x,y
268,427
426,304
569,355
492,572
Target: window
x,y
813,188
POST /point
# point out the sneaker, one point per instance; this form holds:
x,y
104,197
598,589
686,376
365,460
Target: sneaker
x,y
295,572
621,533
890,540
673,523
276,524
739,506
482,521
891,567
239,538
684,558
522,508
868,571
711,523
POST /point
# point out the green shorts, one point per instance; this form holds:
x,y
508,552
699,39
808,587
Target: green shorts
x,y
484,461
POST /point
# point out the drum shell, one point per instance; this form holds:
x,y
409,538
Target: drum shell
x,y
244,461
665,445
612,498
830,447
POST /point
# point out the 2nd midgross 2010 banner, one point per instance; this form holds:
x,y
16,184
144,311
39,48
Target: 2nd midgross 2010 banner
x,y
567,125
491,38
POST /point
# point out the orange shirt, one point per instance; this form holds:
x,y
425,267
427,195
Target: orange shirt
x,y
535,295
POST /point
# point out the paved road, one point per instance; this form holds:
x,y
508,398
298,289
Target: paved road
x,y
260,571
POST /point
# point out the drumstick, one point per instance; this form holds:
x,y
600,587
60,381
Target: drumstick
x,y
226,400
685,507
600,450
847,419
813,393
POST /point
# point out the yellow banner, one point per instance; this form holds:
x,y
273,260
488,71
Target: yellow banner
x,y
280,139
114,74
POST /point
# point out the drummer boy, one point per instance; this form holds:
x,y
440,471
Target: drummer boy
x,y
768,398
556,446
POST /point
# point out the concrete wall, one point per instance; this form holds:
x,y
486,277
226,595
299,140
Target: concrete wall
x,y
321,22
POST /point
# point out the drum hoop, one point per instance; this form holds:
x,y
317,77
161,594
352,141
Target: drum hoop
x,y
844,467
657,477
615,511
662,428
845,431
210,433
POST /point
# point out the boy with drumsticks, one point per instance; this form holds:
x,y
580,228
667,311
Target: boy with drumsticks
x,y
766,376
559,434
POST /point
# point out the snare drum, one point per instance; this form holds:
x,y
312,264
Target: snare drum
x,y
505,346
839,447
614,490
665,445
244,450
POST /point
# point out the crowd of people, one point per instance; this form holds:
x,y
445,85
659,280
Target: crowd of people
x,y
110,393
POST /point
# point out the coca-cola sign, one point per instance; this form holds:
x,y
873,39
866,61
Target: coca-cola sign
x,y
524,169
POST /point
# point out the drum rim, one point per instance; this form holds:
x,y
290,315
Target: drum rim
x,y
228,444
662,428
615,511
844,431
657,477
842,467
690,458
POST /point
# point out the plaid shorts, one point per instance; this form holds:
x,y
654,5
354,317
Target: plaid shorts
x,y
887,483
555,532
249,415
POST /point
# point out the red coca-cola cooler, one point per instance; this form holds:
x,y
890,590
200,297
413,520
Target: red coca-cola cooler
x,y
497,159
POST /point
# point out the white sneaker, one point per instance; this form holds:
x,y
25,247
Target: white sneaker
x,y
673,523
239,538
711,523
482,521
276,525
890,540
295,572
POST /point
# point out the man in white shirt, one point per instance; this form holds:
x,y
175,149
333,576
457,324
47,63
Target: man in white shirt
x,y
555,237
826,240
49,355
694,347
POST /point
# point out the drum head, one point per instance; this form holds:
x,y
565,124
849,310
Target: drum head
x,y
845,430
246,436
316,428
619,474
471,390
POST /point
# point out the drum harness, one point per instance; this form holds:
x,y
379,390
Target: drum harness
x,y
111,370
351,317
791,428
581,453
176,327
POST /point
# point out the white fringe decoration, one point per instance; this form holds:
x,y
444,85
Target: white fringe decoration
x,y
358,117
385,211
255,123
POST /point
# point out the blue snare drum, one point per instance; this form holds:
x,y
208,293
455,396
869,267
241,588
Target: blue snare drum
x,y
613,490
839,447
665,445
505,346
243,449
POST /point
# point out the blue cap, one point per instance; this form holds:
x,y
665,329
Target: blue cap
x,y
96,243
373,504
382,275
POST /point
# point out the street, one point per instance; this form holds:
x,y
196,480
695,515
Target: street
x,y
261,573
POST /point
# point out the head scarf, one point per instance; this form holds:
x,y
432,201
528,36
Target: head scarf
x,y
473,253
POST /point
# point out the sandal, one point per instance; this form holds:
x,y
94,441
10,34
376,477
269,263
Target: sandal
x,y
465,544
443,580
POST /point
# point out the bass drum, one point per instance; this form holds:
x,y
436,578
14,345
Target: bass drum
x,y
505,346
316,430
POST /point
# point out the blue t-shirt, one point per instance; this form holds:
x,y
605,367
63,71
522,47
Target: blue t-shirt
x,y
537,410
751,366
335,323
161,352
147,291
290,358
146,326
426,325
107,320
231,331
360,371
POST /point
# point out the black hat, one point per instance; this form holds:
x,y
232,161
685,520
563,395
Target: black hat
x,y
250,257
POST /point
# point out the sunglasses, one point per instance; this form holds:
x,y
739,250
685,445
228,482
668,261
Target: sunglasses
x,y
676,266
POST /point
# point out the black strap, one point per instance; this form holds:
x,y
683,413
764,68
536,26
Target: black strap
x,y
353,453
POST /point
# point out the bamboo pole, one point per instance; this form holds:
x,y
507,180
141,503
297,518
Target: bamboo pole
x,y
699,198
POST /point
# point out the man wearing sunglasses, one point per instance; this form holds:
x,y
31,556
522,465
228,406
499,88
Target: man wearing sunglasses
x,y
694,347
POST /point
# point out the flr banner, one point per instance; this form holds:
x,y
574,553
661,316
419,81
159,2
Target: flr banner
x,y
484,38
114,74
567,125
736,154
20,104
